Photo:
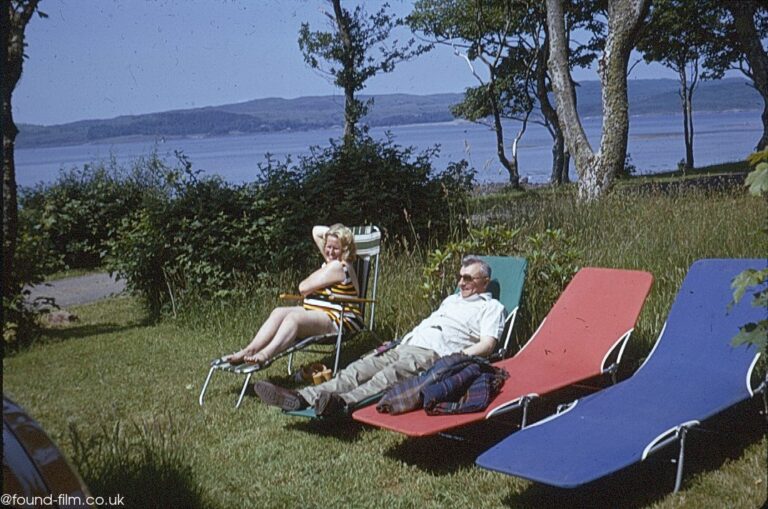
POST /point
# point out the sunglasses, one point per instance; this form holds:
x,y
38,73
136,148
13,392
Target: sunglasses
x,y
467,278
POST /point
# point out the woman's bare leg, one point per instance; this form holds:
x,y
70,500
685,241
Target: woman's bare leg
x,y
264,335
298,323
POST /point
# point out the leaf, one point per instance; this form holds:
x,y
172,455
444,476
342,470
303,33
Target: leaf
x,y
760,299
746,279
757,180
753,333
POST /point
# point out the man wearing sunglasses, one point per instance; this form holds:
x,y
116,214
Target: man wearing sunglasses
x,y
469,321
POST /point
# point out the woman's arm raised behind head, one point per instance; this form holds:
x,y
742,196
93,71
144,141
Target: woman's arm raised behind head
x,y
318,235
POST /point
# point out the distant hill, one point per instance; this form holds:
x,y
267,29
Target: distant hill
x,y
304,113
661,96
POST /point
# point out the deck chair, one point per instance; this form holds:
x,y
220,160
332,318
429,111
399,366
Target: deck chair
x,y
506,286
507,280
582,337
692,373
368,245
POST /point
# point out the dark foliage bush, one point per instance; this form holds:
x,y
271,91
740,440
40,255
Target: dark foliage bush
x,y
375,182
206,239
72,218
552,258
174,235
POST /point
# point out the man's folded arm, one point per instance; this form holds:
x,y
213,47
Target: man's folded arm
x,y
483,348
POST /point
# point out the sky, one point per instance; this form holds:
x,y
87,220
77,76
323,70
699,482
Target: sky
x,y
105,58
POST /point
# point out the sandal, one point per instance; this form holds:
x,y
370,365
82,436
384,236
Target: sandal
x,y
321,376
314,373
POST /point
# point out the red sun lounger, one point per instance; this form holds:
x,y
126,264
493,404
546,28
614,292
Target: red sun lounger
x,y
593,318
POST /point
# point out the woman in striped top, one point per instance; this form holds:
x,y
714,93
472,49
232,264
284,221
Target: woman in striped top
x,y
317,315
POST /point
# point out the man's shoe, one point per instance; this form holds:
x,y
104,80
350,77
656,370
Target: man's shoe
x,y
328,404
274,395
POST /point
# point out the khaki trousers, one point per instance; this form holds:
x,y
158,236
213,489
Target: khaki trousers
x,y
374,373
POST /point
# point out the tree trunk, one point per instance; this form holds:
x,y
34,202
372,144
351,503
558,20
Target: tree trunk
x,y
689,128
559,172
743,12
510,166
10,205
12,25
11,59
563,88
351,106
763,141
596,170
685,99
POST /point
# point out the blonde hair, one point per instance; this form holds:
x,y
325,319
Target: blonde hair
x,y
346,239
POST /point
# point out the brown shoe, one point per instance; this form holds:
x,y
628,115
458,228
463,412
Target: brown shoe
x,y
274,395
329,403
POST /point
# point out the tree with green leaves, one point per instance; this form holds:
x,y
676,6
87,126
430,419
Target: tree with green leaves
x,y
509,39
677,36
738,42
14,17
487,32
596,170
356,48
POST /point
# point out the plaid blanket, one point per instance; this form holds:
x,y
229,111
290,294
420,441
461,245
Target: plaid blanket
x,y
457,383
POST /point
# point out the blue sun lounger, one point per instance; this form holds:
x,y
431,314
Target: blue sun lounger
x,y
692,374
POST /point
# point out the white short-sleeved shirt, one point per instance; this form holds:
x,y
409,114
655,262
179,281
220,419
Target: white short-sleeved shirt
x,y
458,324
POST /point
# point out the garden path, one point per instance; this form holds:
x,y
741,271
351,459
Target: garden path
x,y
73,291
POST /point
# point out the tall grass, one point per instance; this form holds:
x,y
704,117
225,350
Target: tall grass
x,y
658,232
120,395
142,460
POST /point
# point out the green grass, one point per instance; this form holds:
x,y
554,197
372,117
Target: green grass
x,y
500,195
714,169
119,395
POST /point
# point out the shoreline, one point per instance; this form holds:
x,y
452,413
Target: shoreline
x,y
162,138
236,158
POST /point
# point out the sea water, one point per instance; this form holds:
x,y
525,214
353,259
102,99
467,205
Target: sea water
x,y
655,144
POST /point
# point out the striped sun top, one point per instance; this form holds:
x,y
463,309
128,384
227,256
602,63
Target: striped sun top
x,y
353,317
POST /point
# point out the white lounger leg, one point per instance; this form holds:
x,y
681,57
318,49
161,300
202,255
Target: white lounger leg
x,y
205,385
242,391
338,342
525,402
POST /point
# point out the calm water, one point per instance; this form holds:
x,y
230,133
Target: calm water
x,y
655,144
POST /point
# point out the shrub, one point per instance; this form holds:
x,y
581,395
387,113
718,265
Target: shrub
x,y
72,218
32,261
442,263
204,239
374,182
64,225
174,235
552,260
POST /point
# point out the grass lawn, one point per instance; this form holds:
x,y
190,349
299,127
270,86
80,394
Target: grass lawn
x,y
119,395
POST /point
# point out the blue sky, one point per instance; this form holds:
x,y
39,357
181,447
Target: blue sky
x,y
105,58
